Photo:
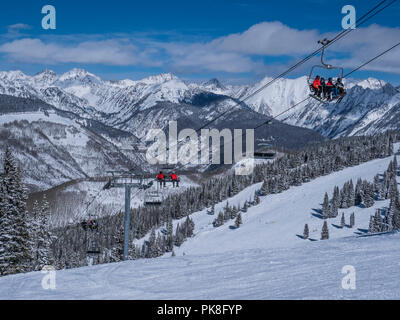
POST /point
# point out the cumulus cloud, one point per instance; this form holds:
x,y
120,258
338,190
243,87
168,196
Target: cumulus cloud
x,y
270,39
107,52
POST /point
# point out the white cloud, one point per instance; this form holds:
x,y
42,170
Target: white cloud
x,y
14,30
269,39
363,44
107,52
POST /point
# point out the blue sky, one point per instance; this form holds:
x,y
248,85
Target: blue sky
x,y
236,41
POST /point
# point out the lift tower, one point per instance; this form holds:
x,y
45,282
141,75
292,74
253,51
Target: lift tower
x,y
127,180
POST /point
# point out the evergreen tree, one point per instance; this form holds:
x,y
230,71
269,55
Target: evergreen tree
x,y
265,188
306,232
15,245
325,231
342,221
325,207
351,195
219,221
256,198
377,221
170,235
352,220
238,220
368,194
44,237
371,226
245,206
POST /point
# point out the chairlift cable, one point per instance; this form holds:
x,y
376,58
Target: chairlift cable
x,y
339,36
298,103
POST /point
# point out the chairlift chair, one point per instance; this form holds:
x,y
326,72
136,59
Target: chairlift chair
x,y
320,70
92,238
152,198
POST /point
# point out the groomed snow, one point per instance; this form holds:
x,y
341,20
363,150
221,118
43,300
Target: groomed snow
x,y
309,272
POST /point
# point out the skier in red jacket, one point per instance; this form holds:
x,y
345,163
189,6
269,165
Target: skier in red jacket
x,y
174,179
161,179
316,86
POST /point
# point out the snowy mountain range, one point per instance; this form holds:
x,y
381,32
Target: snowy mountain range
x,y
113,116
371,105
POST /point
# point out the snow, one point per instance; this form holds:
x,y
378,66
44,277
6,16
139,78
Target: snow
x,y
309,272
263,259
36,116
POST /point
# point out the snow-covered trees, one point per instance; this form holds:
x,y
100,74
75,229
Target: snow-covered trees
x,y
41,235
15,246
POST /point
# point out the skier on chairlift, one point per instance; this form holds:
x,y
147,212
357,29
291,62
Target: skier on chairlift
x,y
340,88
174,179
161,179
330,90
323,88
93,225
317,86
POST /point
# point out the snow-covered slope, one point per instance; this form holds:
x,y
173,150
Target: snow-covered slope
x,y
306,272
263,259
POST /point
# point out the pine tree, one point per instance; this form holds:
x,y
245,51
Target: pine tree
x,y
378,221
256,198
325,231
179,236
306,232
234,212
238,220
219,221
15,245
44,237
342,221
352,220
170,235
265,188
325,207
371,228
151,246
245,206
213,209
358,193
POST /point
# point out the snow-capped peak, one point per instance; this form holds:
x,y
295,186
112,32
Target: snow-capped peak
x,y
45,72
214,83
14,75
44,78
76,74
370,83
